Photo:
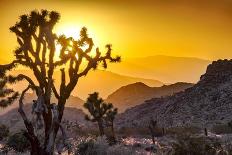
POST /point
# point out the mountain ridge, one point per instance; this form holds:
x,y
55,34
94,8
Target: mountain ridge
x,y
206,104
104,82
133,94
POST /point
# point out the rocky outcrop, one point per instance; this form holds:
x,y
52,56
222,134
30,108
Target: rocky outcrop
x,y
206,104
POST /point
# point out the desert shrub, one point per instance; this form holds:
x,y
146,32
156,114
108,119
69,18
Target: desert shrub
x,y
92,147
84,146
222,129
4,131
100,146
18,142
187,145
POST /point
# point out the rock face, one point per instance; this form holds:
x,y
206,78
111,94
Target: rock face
x,y
206,104
133,94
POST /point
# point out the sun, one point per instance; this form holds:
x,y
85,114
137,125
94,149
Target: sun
x,y
72,30
69,31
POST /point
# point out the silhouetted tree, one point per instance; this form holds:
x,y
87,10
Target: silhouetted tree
x,y
109,118
97,109
36,50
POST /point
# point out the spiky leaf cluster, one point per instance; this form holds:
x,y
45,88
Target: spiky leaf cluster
x,y
110,115
7,95
96,107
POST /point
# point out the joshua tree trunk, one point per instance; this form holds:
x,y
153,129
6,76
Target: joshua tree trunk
x,y
35,145
101,129
53,128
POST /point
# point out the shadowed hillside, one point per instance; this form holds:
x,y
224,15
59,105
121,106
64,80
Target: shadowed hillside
x,y
204,105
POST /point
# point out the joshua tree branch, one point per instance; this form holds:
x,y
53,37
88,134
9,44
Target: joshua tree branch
x,y
55,91
27,123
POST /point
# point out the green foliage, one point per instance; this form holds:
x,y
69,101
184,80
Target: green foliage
x,y
4,131
18,142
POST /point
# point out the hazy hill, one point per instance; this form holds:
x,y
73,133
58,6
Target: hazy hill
x,y
205,104
168,69
104,82
13,119
73,101
134,94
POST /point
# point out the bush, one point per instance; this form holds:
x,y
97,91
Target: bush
x,y
100,146
187,145
92,147
84,146
4,131
18,142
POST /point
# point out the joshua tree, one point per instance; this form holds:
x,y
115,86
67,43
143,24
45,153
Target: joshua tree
x,y
36,50
97,109
110,116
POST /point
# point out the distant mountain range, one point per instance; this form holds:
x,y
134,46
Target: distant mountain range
x,y
133,94
104,82
206,104
168,69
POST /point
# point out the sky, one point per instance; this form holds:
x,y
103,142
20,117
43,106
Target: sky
x,y
193,28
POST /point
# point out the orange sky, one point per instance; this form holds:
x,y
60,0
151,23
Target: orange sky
x,y
193,28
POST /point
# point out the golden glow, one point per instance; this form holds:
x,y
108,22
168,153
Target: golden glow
x,y
68,31
193,28
73,30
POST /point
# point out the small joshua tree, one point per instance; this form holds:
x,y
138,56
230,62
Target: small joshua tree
x,y
97,109
109,118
